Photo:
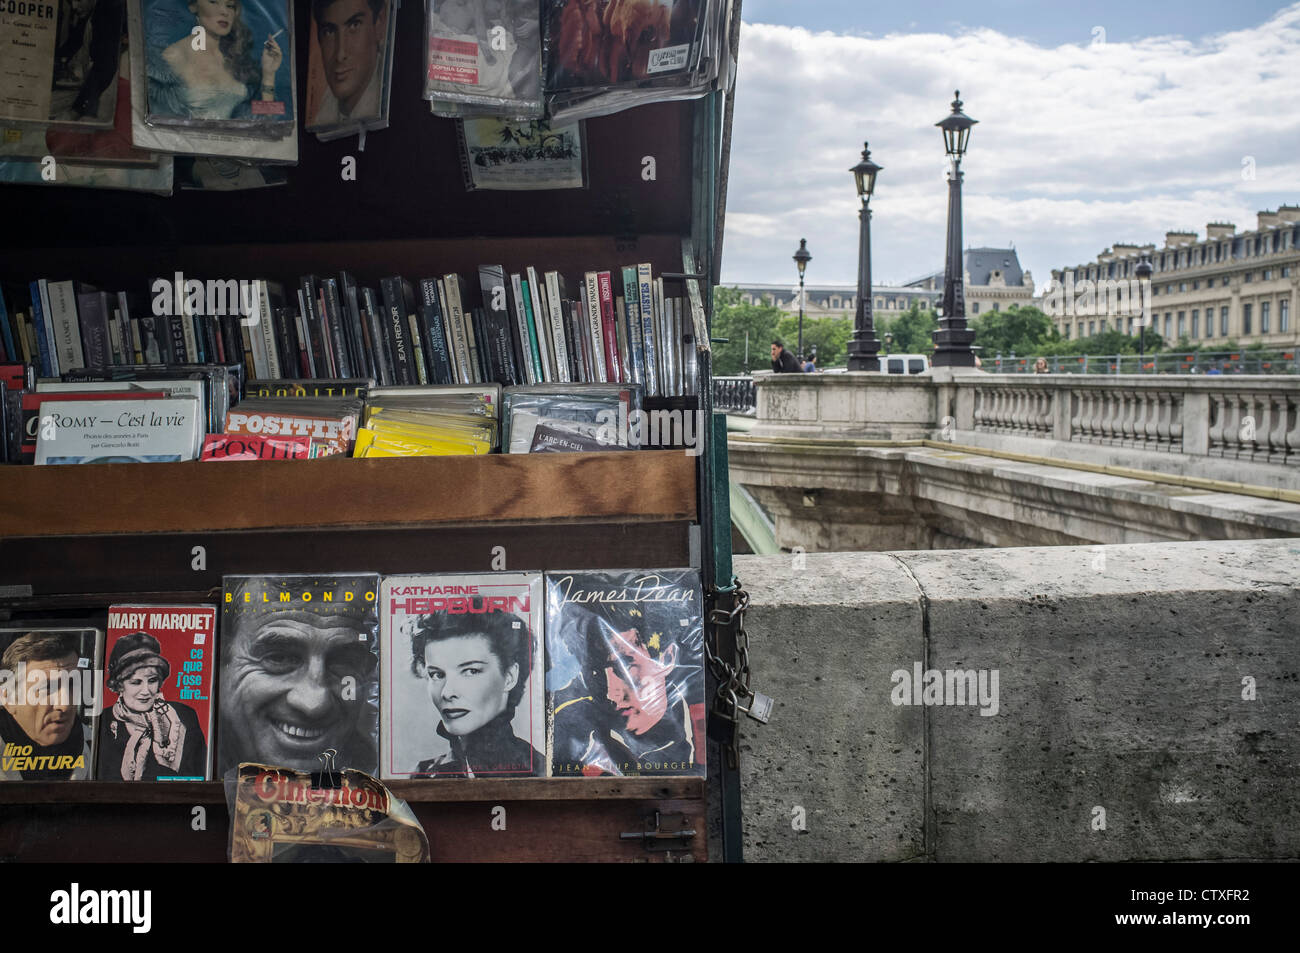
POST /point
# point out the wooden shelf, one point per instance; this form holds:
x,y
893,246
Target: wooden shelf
x,y
428,791
626,486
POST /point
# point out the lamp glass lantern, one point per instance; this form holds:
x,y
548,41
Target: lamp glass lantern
x,y
956,128
864,174
802,256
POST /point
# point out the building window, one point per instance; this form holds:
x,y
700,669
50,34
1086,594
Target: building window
x,y
1225,282
1267,275
1264,308
1223,321
1284,315
835,302
1245,319
1196,286
995,306
1209,322
1196,323
1078,330
1182,324
1249,277
1169,289
1182,286
1286,271
1092,328
880,304
1065,328
1155,290
1169,323
975,307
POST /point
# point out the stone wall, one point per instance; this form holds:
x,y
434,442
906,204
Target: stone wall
x,y
1146,704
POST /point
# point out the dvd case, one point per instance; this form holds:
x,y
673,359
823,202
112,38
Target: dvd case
x,y
299,671
49,702
625,676
462,676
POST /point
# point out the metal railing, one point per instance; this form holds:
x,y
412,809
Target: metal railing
x,y
735,395
1212,363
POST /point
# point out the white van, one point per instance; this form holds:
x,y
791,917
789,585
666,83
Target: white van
x,y
904,363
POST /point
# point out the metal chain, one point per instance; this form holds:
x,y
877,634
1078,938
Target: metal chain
x,y
732,675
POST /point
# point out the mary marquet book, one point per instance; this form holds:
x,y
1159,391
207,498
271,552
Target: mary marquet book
x,y
462,676
299,671
625,682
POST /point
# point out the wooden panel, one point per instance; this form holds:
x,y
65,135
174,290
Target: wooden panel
x,y
181,497
101,569
463,831
430,792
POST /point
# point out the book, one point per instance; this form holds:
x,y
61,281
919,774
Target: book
x,y
397,331
609,330
158,698
554,297
44,328
462,683
39,742
103,430
299,671
595,326
492,283
375,320
527,345
541,324
648,339
635,331
99,346
435,335
625,689
453,287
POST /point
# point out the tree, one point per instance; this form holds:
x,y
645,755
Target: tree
x,y
731,319
1023,329
912,331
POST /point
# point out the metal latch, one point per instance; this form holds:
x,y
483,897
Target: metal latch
x,y
663,832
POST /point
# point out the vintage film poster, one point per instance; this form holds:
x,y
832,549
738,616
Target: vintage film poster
x,y
484,51
463,677
160,663
49,701
299,671
28,36
522,155
278,816
625,675
349,66
219,62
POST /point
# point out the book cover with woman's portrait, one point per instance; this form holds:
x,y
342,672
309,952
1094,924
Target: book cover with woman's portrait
x,y
219,63
625,672
160,664
462,676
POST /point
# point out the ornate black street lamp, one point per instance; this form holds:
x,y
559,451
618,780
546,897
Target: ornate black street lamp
x,y
953,339
801,259
864,348
1143,274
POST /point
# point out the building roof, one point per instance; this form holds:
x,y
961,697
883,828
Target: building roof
x,y
980,263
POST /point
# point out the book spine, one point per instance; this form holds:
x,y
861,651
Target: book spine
x,y
455,318
554,295
646,303
286,339
26,335
44,327
448,334
307,332
534,345
395,326
492,283
542,325
375,316
417,349
339,348
94,330
67,329
635,340
595,326
353,331
136,354
10,342
489,367
305,357
576,340
471,332
435,335
266,330
620,330
127,327
521,329
605,288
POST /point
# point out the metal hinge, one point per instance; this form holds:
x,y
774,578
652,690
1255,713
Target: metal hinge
x,y
663,832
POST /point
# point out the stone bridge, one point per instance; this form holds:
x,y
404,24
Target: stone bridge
x,y
861,461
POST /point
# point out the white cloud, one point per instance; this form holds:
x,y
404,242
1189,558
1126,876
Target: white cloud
x,y
1077,147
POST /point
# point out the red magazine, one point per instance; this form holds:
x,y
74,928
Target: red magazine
x,y
158,677
225,446
613,374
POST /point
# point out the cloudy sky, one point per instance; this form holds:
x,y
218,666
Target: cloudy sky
x,y
1115,123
